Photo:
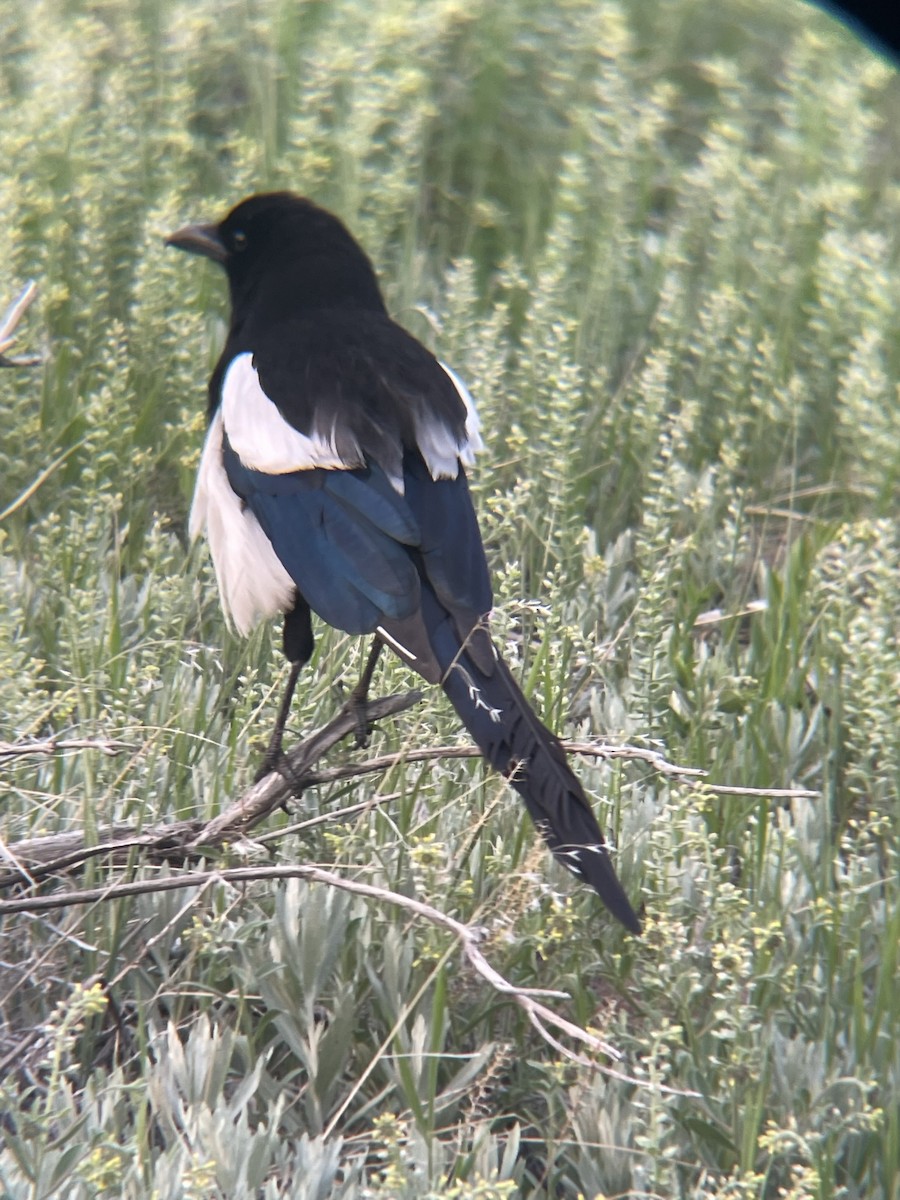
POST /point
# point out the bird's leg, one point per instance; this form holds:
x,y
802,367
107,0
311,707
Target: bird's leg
x,y
356,702
274,757
298,648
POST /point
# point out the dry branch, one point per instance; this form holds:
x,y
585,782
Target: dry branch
x,y
11,319
32,860
185,840
531,1000
46,747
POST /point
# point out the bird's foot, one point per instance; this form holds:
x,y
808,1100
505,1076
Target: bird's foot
x,y
358,708
276,761
357,703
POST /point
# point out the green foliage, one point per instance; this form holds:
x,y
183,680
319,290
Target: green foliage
x,y
660,242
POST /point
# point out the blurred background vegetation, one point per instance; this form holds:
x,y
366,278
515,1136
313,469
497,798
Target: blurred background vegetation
x,y
659,239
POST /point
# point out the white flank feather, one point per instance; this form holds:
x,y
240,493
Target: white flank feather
x,y
253,584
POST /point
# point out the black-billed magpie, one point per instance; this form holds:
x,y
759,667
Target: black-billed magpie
x,y
333,480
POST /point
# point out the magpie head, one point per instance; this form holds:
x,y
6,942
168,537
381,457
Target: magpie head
x,y
286,246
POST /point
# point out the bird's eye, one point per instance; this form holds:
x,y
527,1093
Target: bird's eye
x,y
239,239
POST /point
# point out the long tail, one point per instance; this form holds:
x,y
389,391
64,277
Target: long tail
x,y
515,742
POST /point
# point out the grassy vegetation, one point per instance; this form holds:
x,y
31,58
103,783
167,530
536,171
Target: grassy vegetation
x,y
659,239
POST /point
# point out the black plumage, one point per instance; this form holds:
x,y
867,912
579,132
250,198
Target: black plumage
x,y
338,442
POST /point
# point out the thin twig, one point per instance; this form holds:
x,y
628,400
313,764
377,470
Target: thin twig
x,y
653,758
11,319
660,763
275,790
529,999
48,746
309,750
327,818
40,479
34,859
722,789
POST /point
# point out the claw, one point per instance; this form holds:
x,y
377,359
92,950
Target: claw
x,y
357,703
280,764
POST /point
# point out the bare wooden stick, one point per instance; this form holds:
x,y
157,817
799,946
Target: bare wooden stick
x,y
46,747
531,1000
11,319
276,789
33,859
653,758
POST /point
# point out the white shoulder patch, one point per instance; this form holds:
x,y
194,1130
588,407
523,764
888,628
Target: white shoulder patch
x,y
473,441
261,437
253,583
441,451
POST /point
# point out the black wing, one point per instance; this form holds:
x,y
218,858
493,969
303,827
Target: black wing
x,y
361,542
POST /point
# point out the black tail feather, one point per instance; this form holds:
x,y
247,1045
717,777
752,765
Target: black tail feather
x,y
515,742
